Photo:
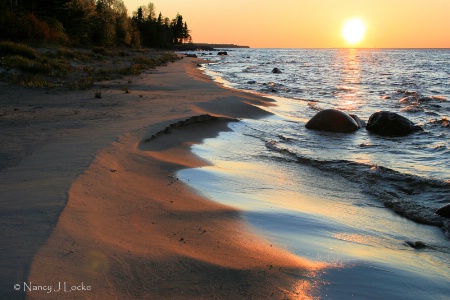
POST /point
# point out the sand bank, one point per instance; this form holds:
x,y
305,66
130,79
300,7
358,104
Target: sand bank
x,y
95,211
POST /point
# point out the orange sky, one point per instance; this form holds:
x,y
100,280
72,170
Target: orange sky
x,y
310,23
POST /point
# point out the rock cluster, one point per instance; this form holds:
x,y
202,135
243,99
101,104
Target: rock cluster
x,y
383,123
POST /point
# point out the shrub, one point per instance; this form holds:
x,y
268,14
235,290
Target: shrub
x,y
42,66
31,80
81,83
145,61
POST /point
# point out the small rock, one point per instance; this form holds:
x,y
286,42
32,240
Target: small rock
x,y
416,244
276,71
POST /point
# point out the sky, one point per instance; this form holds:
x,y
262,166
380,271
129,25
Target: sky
x,y
311,23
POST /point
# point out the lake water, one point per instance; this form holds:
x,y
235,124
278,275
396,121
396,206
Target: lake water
x,y
352,200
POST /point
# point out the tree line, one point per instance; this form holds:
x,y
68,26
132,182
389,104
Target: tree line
x,y
89,22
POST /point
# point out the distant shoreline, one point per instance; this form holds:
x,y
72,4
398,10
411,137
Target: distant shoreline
x,y
221,45
207,46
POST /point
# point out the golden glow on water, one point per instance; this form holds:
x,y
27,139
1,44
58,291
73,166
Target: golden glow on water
x,y
276,191
321,217
349,93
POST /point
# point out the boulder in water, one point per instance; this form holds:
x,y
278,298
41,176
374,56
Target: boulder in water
x,y
387,123
333,120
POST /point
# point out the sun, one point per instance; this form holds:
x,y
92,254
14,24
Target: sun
x,y
353,31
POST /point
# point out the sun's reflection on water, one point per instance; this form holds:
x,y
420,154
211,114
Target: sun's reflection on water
x,y
348,93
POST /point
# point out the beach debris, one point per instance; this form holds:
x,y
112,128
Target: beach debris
x,y
387,123
98,94
416,244
444,211
333,120
276,71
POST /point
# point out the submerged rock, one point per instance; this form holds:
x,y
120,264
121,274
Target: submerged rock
x,y
444,211
333,120
276,71
387,123
222,53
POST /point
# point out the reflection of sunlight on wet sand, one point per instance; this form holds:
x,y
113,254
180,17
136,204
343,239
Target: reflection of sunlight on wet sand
x,y
277,191
318,216
307,201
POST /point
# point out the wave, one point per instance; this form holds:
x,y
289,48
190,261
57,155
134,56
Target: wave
x,y
411,196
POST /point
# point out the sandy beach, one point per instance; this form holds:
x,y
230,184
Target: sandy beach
x,y
92,208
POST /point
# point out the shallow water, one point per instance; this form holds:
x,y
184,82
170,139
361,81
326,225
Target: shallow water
x,y
324,218
325,196
410,174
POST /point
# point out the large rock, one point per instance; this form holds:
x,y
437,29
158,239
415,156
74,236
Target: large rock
x,y
387,123
332,120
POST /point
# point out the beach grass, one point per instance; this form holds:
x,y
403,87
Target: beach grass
x,y
10,48
74,68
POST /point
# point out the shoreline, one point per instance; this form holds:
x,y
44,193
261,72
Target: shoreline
x,y
196,251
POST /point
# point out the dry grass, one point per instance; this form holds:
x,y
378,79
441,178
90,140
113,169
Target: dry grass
x,y
74,68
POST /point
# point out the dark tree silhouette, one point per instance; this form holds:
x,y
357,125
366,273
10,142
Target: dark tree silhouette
x,y
89,22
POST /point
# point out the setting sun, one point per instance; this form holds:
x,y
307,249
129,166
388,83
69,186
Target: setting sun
x,y
353,31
